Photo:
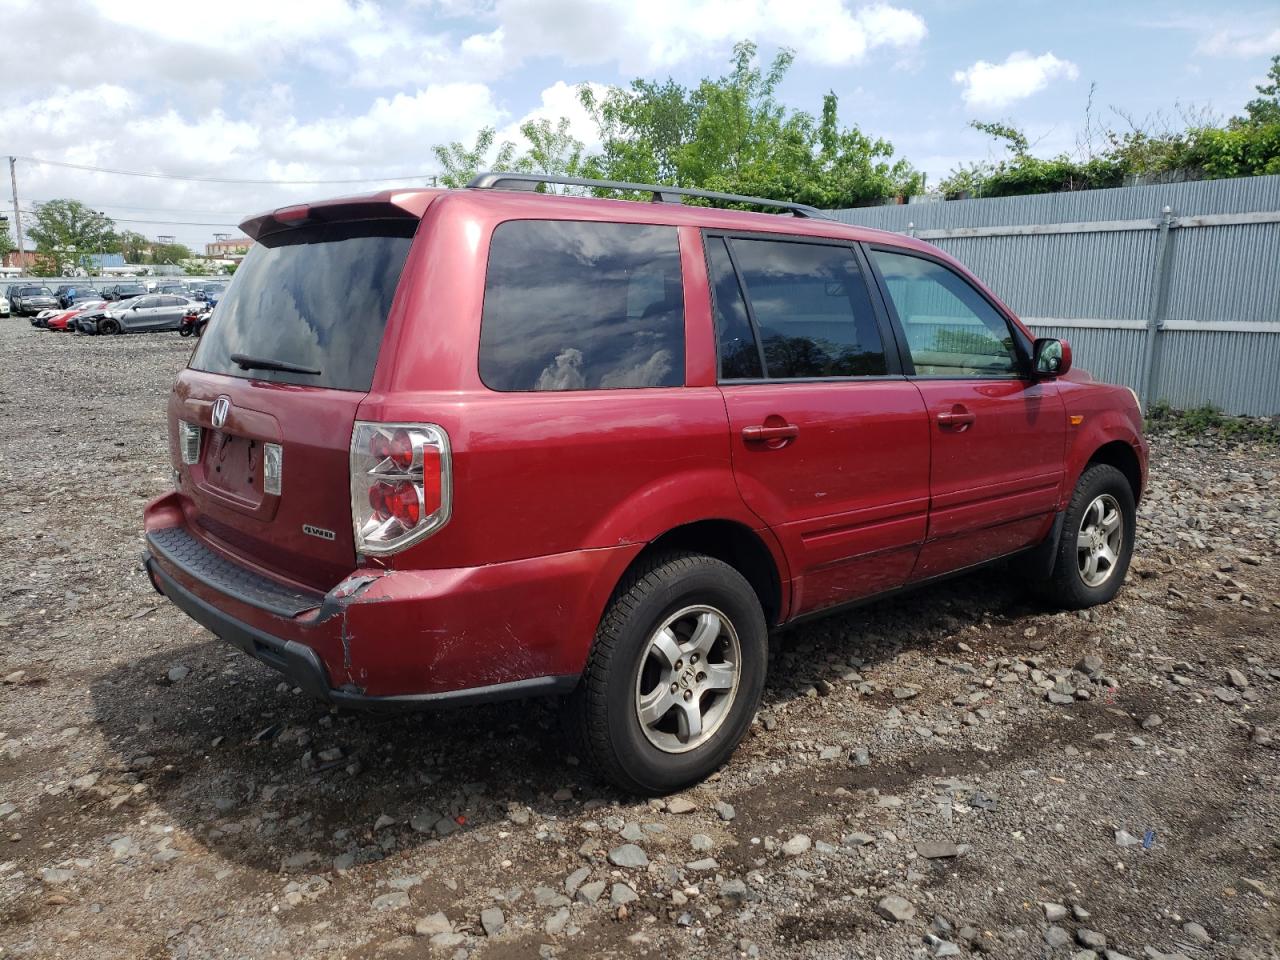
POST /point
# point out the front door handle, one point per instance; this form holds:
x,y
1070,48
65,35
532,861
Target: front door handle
x,y
769,434
958,418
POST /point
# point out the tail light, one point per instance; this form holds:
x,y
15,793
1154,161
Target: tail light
x,y
189,442
401,484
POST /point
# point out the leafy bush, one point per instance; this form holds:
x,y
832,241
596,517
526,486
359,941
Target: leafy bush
x,y
1246,146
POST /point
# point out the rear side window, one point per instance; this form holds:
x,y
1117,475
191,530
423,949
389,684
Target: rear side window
x,y
314,297
951,329
811,308
571,305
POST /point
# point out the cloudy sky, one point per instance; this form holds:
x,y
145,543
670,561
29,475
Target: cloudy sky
x,y
333,90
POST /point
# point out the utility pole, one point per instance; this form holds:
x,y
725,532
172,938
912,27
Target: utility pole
x,y
17,214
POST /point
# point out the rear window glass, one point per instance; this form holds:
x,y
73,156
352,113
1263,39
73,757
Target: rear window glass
x,y
314,297
572,305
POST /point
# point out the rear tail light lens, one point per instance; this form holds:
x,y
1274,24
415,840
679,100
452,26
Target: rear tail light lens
x,y
189,442
401,489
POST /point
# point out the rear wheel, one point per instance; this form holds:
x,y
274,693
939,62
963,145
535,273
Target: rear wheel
x,y
184,330
674,677
109,326
1097,541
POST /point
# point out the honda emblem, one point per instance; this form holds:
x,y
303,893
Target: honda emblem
x,y
221,407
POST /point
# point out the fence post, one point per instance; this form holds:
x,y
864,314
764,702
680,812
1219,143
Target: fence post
x,y
1160,281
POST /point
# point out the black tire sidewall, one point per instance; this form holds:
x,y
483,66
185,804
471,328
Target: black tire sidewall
x,y
716,585
1068,587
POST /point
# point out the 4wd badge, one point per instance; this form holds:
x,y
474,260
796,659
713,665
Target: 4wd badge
x,y
320,532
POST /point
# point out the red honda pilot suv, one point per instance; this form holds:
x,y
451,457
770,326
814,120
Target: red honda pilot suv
x,y
445,446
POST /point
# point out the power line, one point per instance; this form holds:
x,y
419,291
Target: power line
x,y
174,176
134,206
174,223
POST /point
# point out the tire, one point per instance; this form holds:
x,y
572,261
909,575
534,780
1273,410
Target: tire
x,y
1071,586
694,595
109,326
184,331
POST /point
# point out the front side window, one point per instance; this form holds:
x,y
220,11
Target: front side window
x,y
811,309
951,329
574,305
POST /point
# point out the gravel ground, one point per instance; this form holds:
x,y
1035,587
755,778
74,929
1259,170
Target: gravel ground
x,y
908,790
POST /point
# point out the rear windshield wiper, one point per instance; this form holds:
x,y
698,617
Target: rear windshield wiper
x,y
259,363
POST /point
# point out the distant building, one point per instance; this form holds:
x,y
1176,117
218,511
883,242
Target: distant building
x,y
233,248
99,260
22,261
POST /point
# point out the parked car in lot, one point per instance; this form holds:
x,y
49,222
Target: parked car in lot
x,y
124,291
152,312
4,303
70,293
208,291
28,299
41,319
66,319
563,445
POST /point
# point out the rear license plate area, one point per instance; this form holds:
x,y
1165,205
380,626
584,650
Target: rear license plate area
x,y
233,466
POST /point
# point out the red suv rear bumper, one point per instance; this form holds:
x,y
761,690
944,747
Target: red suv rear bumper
x,y
406,639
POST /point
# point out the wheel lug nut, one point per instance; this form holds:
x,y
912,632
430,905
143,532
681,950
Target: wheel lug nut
x,y
675,687
688,694
701,677
694,658
679,664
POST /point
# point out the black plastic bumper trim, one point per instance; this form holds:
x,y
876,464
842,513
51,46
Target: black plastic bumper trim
x,y
178,547
302,665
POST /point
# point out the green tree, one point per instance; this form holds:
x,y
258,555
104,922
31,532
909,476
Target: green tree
x,y
1265,108
460,163
66,232
551,149
133,245
731,134
170,253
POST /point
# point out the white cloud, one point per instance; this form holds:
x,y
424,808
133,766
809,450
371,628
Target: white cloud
x,y
995,85
662,33
1240,45
560,100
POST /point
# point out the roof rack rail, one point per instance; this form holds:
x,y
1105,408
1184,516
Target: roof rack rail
x,y
499,180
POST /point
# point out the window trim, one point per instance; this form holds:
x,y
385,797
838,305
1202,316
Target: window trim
x,y
888,335
1021,348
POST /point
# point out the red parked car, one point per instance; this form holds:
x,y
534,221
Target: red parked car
x,y
64,322
439,447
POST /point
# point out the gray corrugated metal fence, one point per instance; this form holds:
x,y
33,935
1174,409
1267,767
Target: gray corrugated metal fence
x,y
1173,289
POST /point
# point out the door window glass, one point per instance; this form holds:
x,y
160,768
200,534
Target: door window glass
x,y
571,305
811,308
951,329
739,356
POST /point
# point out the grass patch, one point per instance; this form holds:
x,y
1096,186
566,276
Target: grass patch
x,y
1209,421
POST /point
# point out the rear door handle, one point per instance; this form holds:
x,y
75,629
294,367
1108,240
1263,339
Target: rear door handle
x,y
763,434
957,418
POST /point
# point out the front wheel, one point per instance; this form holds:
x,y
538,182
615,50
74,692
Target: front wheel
x,y
184,330
1097,541
109,326
675,675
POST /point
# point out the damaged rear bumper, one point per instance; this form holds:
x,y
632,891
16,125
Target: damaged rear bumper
x,y
407,639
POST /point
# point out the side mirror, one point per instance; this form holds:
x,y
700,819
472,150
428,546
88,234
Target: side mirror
x,y
1052,358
